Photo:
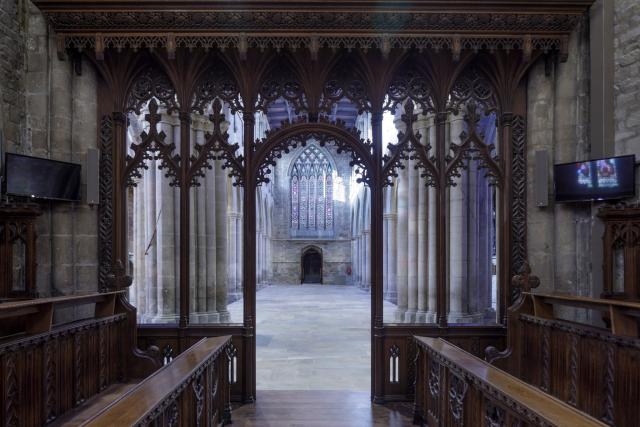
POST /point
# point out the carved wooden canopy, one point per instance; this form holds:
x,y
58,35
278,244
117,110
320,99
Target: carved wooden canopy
x,y
453,25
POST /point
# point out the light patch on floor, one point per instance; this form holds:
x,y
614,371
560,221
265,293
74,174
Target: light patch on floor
x,y
313,337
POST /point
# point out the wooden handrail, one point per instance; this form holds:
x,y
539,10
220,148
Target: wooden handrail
x,y
158,394
40,310
506,392
623,314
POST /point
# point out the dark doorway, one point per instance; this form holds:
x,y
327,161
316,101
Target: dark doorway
x,y
311,266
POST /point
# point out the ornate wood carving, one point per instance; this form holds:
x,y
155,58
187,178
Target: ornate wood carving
x,y
609,381
11,395
236,56
78,370
50,388
18,226
281,140
413,86
472,147
434,379
149,85
573,371
494,416
219,85
105,210
152,147
519,196
198,393
216,147
457,392
622,233
524,281
407,148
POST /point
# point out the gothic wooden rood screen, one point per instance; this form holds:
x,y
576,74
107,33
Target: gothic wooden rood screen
x,y
437,58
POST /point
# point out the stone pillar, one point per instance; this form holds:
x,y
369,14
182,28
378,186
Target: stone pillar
x,y
367,258
422,126
412,242
225,244
385,232
431,257
212,218
167,198
402,247
457,235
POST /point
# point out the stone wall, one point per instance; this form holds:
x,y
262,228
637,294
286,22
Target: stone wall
x,y
558,108
287,251
627,79
50,111
13,17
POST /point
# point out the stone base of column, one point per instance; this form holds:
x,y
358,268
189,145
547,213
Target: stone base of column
x,y
421,316
431,317
461,317
224,316
204,317
410,316
165,318
391,296
233,297
399,315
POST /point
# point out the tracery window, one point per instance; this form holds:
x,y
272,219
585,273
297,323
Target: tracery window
x,y
311,193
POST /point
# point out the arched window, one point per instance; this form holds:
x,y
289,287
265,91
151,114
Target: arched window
x,y
311,193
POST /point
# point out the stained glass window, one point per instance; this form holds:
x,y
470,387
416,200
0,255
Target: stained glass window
x,y
311,191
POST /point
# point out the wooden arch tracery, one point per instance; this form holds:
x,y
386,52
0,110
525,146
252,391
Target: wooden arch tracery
x,y
377,58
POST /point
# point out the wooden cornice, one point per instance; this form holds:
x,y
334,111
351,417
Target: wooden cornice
x,y
423,24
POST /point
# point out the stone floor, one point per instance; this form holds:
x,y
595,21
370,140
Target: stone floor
x,y
313,337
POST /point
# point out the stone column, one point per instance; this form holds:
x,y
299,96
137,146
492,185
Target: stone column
x,y
422,126
392,292
167,238
402,247
457,235
431,238
212,236
412,242
385,232
367,258
225,245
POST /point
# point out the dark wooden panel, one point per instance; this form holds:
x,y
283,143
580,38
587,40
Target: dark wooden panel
x,y
192,390
458,389
591,368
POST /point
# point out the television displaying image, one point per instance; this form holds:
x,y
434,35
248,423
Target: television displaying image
x,y
601,179
38,178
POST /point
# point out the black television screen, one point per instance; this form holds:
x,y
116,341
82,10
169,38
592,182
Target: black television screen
x,y
602,179
41,178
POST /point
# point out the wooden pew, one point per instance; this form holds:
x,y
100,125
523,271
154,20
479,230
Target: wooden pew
x,y
47,369
455,388
594,368
191,390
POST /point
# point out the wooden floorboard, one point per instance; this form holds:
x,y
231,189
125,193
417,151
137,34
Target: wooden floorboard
x,y
310,408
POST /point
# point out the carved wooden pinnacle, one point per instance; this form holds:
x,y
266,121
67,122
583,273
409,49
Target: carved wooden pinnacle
x,y
525,281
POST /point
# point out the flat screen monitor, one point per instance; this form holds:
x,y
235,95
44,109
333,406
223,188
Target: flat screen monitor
x,y
601,179
38,178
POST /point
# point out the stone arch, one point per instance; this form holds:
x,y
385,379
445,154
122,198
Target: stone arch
x,y
298,152
282,140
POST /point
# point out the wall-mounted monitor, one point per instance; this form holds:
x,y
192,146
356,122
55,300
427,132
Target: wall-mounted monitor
x,y
601,179
37,178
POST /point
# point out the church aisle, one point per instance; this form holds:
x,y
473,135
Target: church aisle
x,y
319,409
313,337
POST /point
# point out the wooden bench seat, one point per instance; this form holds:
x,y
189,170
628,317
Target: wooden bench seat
x,y
94,406
53,371
454,387
191,390
592,366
